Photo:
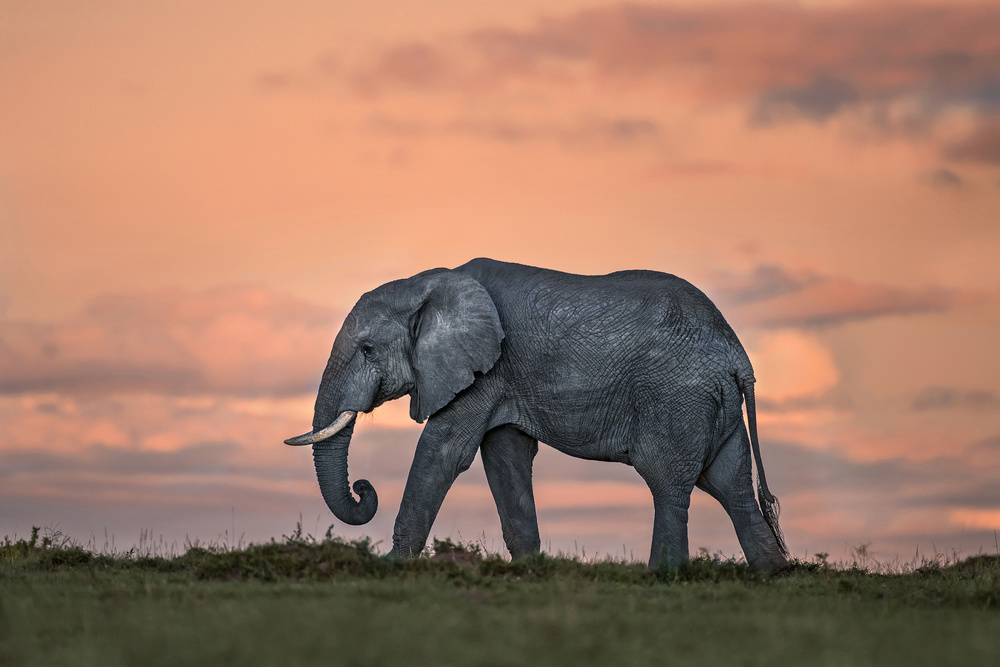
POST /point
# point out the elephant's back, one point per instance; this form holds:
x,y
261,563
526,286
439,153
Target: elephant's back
x,y
614,314
612,291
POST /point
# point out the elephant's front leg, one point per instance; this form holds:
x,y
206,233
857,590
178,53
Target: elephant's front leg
x,y
443,452
507,456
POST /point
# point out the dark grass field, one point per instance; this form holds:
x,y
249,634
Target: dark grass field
x,y
308,601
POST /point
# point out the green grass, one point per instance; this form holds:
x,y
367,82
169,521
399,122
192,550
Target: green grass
x,y
306,601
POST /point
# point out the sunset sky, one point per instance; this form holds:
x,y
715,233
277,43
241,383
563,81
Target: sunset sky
x,y
193,195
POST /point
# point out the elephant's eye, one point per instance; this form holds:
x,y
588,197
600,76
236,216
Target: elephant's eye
x,y
367,350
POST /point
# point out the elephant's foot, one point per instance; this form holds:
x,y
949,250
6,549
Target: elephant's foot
x,y
522,548
405,550
772,564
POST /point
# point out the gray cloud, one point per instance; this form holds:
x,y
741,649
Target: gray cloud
x,y
946,178
985,453
772,296
822,98
199,459
765,282
275,80
839,302
393,125
414,65
606,131
899,483
944,398
609,132
835,398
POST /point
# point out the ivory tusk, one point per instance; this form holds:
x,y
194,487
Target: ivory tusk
x,y
313,437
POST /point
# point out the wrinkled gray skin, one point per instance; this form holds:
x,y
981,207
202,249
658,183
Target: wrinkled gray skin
x,y
637,367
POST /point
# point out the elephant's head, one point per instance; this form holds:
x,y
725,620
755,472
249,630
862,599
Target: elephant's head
x,y
425,336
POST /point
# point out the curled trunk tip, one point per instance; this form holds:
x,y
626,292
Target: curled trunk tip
x,y
330,459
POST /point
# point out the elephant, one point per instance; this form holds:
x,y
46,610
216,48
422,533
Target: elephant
x,y
637,367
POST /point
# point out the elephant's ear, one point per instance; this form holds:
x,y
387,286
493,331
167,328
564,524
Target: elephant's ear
x,y
455,333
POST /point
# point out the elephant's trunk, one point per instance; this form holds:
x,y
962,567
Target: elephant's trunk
x,y
330,457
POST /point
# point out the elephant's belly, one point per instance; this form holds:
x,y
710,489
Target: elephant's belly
x,y
591,451
579,416
585,436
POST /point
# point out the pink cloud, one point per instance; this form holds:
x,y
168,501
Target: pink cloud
x,y
983,144
976,518
231,340
413,65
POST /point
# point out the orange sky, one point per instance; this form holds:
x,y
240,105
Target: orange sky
x,y
192,194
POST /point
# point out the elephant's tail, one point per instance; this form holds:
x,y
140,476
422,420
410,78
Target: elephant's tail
x,y
768,502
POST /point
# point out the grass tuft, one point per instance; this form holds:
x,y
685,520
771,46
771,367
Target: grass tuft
x,y
713,569
50,553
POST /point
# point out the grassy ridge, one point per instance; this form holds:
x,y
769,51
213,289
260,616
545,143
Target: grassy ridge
x,y
304,600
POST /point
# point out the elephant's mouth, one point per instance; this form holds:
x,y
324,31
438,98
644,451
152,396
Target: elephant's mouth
x,y
385,398
379,397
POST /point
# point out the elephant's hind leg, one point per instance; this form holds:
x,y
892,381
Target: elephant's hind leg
x,y
729,479
671,488
670,462
669,456
507,456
